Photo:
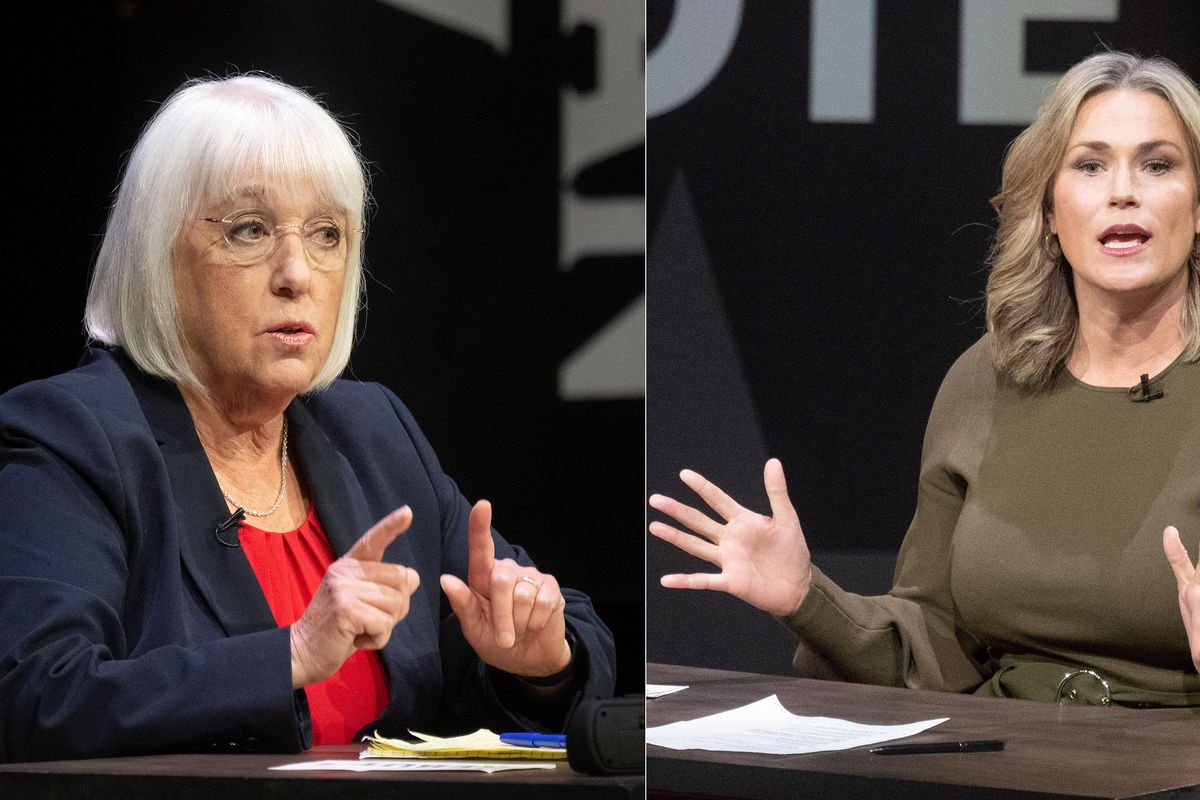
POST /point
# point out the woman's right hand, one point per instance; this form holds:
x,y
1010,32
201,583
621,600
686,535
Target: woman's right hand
x,y
357,605
763,560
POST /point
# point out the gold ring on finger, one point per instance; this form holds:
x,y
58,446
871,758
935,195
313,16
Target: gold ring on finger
x,y
536,584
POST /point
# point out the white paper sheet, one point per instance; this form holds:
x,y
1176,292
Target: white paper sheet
x,y
395,765
767,727
659,689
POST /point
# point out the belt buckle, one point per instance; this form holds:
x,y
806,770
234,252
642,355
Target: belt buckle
x,y
1083,687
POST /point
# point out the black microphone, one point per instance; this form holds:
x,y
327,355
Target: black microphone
x,y
235,519
1144,388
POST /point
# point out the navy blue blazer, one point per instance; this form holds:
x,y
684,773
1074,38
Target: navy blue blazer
x,y
126,627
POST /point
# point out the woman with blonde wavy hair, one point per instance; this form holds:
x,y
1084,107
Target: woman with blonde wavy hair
x,y
1044,560
1031,305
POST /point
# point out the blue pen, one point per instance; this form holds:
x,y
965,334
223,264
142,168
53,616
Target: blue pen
x,y
521,739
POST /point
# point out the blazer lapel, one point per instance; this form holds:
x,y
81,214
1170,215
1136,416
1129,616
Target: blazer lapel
x,y
222,574
334,489
346,515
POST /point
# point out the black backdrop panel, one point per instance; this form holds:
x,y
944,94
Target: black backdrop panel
x,y
471,316
810,282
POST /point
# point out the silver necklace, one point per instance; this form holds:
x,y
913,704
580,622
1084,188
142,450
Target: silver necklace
x,y
282,483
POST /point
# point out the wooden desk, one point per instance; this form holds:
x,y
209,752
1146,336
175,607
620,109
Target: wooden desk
x,y
1050,752
242,776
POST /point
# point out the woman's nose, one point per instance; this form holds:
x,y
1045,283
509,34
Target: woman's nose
x,y
291,273
1123,193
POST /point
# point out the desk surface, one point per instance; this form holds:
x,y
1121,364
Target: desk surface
x,y
213,777
1050,751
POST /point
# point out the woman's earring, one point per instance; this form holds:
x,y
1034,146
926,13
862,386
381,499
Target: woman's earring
x,y
1051,245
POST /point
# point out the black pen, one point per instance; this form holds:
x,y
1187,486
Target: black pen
x,y
979,746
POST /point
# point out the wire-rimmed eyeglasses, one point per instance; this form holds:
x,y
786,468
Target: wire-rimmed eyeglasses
x,y
254,236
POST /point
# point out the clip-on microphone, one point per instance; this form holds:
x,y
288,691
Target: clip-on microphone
x,y
235,519
1144,388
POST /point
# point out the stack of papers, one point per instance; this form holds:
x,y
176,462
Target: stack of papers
x,y
480,744
767,727
386,765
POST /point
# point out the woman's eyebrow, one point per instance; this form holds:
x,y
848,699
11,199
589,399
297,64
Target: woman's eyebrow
x,y
259,195
1144,147
253,192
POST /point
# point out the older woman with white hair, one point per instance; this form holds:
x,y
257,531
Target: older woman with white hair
x,y
1062,458
210,541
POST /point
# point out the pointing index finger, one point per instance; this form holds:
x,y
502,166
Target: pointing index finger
x,y
370,545
481,550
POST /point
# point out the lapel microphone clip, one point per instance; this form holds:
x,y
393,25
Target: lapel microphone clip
x,y
234,521
1143,387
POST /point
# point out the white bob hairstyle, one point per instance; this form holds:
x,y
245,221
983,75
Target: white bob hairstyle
x,y
191,152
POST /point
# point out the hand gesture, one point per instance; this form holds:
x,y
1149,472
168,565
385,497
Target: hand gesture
x,y
511,615
763,560
1187,578
357,604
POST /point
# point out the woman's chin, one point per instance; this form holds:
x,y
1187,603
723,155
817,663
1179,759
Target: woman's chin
x,y
289,383
280,381
1133,284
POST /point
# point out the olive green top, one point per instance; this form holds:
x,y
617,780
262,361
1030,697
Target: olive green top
x,y
1037,538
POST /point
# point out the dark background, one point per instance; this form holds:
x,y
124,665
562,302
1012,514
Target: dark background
x,y
470,313
809,284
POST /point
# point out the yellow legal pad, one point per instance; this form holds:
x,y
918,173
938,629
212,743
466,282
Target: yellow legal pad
x,y
480,744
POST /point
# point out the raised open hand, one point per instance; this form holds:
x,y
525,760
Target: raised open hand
x,y
511,615
1187,578
356,606
763,560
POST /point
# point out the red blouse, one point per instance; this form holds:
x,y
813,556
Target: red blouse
x,y
289,567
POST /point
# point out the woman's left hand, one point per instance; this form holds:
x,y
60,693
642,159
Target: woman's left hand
x,y
1187,577
510,614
